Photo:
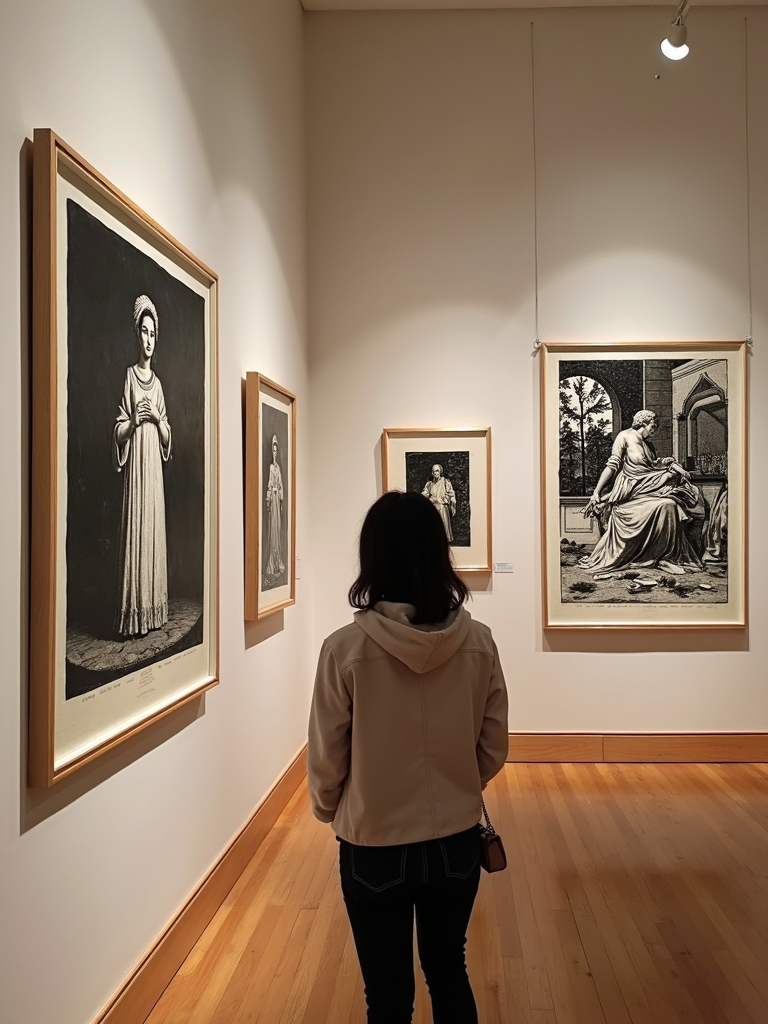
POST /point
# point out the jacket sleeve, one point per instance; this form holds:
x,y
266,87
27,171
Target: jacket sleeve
x,y
493,744
330,737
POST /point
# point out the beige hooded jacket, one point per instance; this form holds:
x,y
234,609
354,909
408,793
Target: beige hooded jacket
x,y
408,725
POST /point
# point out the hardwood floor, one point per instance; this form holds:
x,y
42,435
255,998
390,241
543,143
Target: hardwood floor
x,y
635,894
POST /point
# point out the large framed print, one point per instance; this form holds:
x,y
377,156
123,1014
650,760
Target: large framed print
x,y
270,497
451,467
644,482
124,561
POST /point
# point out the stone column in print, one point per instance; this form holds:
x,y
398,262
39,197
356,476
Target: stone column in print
x,y
658,397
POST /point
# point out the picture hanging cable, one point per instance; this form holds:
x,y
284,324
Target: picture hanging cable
x,y
536,341
748,337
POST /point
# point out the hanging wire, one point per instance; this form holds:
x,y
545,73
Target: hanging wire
x,y
748,336
536,341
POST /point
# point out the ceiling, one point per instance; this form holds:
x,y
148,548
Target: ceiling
x,y
464,5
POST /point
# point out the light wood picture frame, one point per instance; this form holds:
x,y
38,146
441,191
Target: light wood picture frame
x,y
124,623
644,485
270,497
452,467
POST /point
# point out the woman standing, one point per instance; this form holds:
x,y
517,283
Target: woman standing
x,y
142,442
408,725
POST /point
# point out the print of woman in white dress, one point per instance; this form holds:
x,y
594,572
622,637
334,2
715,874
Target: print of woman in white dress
x,y
142,442
274,502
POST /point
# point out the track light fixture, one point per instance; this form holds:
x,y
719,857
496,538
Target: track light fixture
x,y
675,46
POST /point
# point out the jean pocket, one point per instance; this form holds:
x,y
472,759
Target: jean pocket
x,y
461,853
377,867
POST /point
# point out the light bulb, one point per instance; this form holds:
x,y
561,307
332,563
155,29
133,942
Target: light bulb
x,y
674,52
674,46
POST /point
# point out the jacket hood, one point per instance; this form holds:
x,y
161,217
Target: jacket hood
x,y
420,648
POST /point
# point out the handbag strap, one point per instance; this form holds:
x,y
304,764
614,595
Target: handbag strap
x,y
488,824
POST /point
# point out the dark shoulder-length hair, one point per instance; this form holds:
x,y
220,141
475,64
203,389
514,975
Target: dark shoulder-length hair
x,y
404,556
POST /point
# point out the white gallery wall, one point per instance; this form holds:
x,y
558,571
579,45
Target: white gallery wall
x,y
421,293
195,110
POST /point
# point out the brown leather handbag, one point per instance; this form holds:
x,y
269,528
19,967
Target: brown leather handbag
x,y
492,855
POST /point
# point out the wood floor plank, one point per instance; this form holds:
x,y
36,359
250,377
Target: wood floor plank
x,y
486,966
514,821
677,994
231,999
518,1004
576,870
577,1000
323,895
739,981
283,998
348,987
507,921
326,977
544,1017
579,874
198,954
271,979
615,901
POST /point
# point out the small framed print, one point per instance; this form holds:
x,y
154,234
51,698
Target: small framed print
x,y
124,561
644,480
451,467
270,497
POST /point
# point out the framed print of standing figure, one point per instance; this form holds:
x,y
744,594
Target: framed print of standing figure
x,y
644,484
270,497
453,469
124,624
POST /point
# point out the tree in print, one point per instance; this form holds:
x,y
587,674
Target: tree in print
x,y
569,457
585,433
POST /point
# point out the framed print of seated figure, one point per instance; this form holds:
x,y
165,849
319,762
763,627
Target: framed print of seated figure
x,y
644,484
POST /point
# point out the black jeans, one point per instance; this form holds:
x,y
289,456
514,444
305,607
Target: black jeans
x,y
382,886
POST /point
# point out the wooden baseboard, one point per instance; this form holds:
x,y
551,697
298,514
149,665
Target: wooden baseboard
x,y
133,1001
640,747
552,747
